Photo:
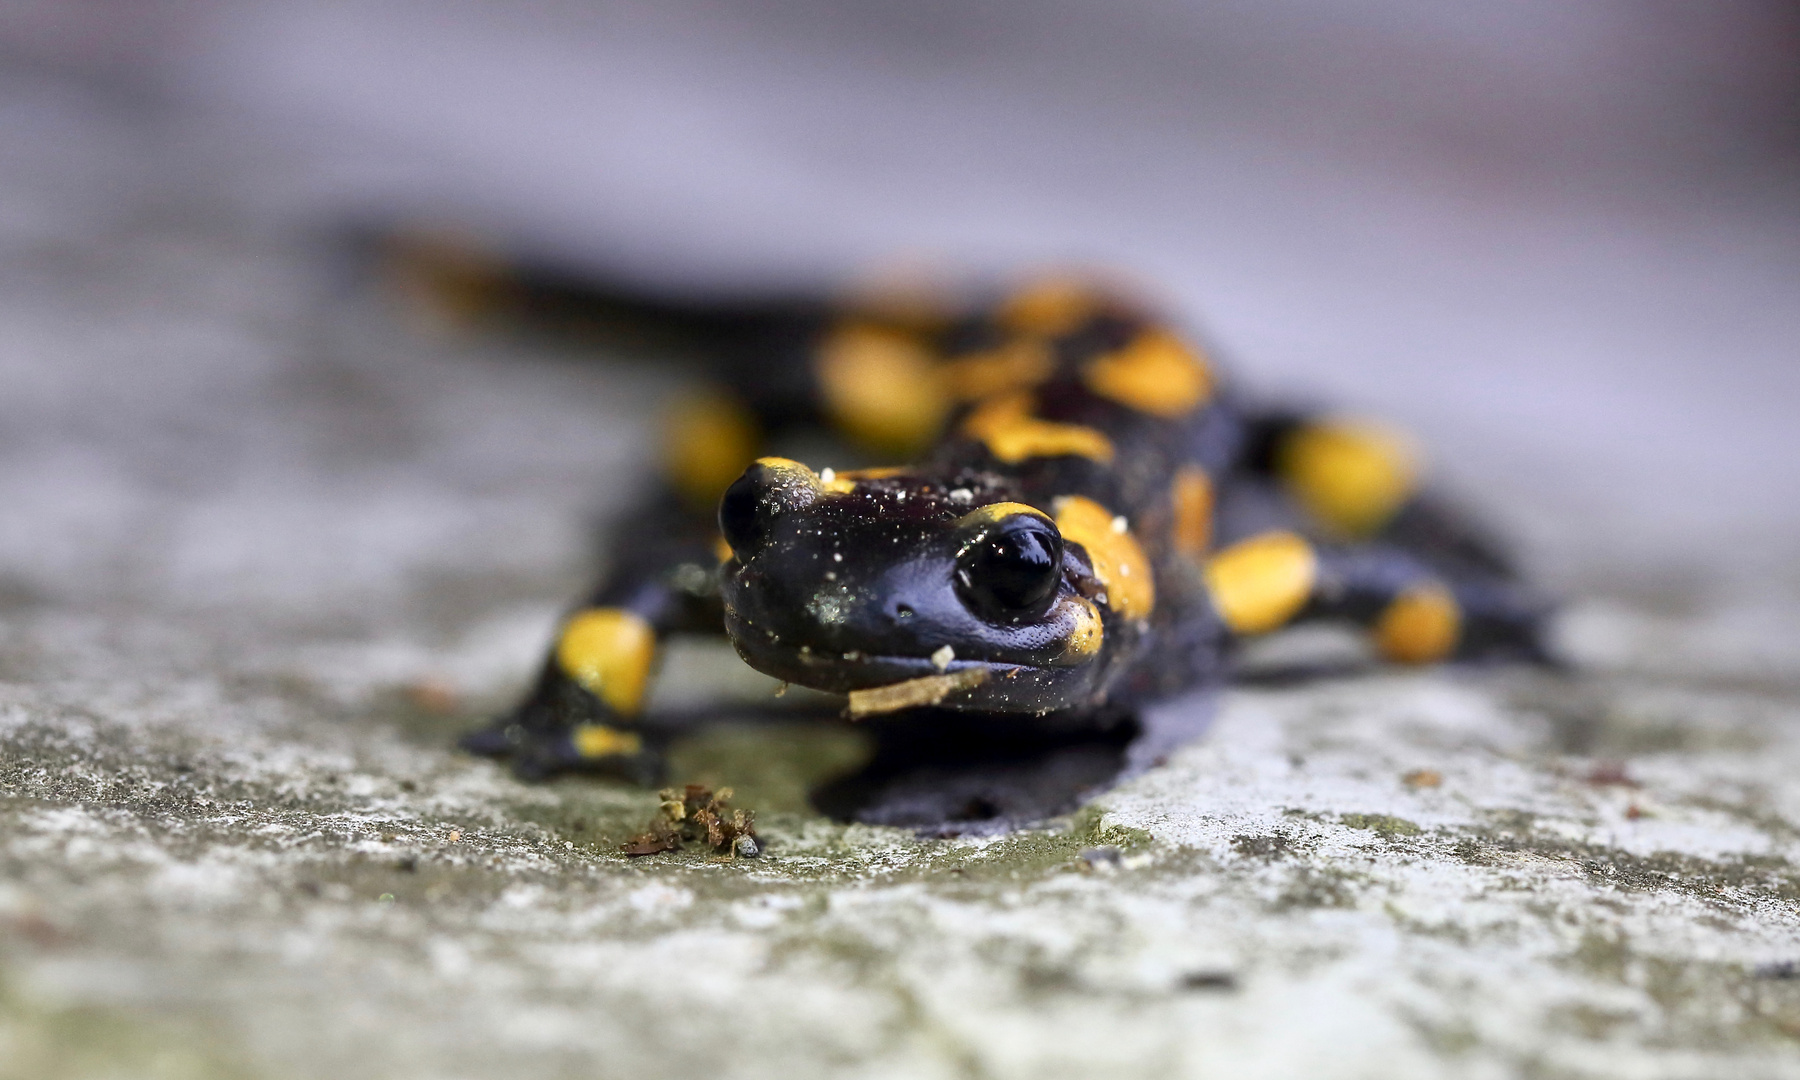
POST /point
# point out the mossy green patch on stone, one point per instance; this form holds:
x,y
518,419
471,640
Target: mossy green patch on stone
x,y
1266,846
1092,826
1686,1002
1325,886
1382,824
595,815
770,767
1733,879
85,1042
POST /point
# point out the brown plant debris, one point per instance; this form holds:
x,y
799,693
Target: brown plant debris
x,y
697,814
914,693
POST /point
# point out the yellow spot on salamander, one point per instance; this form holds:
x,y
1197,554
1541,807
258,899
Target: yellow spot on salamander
x,y
995,512
798,484
1157,373
1088,635
881,387
708,439
880,472
608,652
1016,365
1191,507
833,482
1350,475
599,740
722,549
789,482
1260,583
1050,306
1005,425
1118,561
1419,626
788,466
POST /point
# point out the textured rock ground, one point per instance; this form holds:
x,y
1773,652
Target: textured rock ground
x,y
264,553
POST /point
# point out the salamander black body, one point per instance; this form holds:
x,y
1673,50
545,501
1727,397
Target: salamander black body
x,y
1087,519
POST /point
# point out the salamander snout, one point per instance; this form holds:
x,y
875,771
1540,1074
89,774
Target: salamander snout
x,y
768,488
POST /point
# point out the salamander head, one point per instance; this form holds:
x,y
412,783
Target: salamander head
x,y
936,592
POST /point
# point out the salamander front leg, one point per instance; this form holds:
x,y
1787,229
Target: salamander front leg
x,y
582,713
1414,614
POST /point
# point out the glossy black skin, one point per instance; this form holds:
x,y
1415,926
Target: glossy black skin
x,y
849,590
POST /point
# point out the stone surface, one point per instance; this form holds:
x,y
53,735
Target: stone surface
x,y
265,552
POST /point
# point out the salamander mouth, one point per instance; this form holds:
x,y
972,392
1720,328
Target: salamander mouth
x,y
910,681
843,675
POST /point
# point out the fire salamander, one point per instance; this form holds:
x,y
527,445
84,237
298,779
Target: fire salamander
x,y
1090,518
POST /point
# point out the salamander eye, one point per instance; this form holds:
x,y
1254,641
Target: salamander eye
x,y
1010,573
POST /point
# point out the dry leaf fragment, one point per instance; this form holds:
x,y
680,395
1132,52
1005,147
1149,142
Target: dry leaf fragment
x,y
660,836
913,693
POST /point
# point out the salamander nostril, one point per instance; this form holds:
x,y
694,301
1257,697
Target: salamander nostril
x,y
741,518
